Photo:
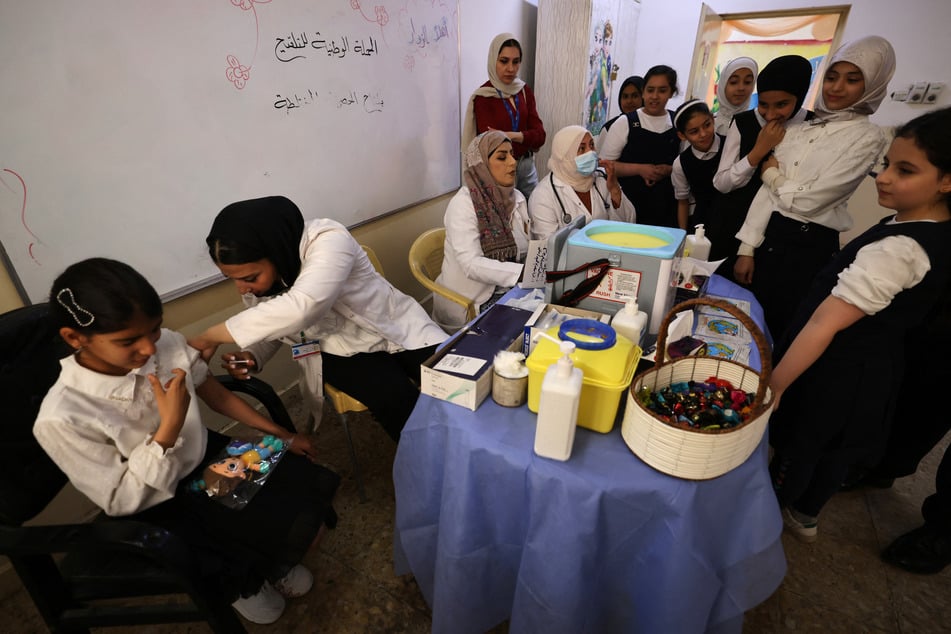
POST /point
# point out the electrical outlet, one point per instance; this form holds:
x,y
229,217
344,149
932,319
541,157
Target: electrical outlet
x,y
917,92
935,89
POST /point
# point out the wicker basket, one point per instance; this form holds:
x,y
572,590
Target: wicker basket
x,y
687,452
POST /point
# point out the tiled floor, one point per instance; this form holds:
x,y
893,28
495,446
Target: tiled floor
x,y
837,584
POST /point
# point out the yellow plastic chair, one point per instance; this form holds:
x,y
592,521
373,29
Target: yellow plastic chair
x,y
425,261
345,404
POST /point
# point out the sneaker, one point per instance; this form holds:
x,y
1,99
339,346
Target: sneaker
x,y
924,551
804,527
295,583
867,480
263,608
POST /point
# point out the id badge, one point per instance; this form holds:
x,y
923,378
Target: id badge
x,y
305,349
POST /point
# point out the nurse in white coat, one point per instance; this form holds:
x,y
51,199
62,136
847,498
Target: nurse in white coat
x,y
487,229
310,282
576,187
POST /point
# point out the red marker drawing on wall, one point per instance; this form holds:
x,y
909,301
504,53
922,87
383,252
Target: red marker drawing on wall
x,y
22,194
237,73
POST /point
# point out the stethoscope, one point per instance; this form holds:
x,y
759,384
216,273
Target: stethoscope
x,y
565,216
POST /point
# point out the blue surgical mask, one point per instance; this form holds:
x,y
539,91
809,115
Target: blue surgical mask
x,y
586,163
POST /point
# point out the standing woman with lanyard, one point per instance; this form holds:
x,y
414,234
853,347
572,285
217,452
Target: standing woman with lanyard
x,y
645,149
506,104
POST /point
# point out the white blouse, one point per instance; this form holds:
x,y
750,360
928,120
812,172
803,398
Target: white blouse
x,y
679,178
548,216
820,166
735,171
616,138
98,429
880,271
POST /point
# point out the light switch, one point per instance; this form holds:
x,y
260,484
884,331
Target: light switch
x,y
917,92
935,89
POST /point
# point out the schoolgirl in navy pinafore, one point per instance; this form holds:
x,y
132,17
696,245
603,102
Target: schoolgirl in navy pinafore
x,y
836,414
655,204
699,174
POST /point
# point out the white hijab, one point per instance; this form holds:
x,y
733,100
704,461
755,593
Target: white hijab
x,y
875,57
727,110
564,149
497,87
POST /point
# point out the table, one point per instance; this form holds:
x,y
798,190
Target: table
x,y
600,543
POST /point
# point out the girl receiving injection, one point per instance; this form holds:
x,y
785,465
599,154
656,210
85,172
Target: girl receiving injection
x,y
841,361
123,424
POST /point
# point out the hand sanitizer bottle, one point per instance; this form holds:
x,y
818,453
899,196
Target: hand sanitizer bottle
x,y
697,246
630,322
558,407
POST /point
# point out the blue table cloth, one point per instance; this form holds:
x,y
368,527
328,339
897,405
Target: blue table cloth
x,y
599,543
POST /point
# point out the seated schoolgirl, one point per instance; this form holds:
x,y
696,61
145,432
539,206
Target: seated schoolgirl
x,y
309,282
645,148
576,187
693,170
794,220
782,87
735,92
487,231
123,424
841,360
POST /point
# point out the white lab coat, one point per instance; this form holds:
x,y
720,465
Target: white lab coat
x,y
465,269
548,216
337,299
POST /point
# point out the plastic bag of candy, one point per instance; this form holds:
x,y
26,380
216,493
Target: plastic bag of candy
x,y
240,470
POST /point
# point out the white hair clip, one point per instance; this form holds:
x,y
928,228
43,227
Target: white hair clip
x,y
75,309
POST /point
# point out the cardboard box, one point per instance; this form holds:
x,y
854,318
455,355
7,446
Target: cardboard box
x,y
532,329
461,370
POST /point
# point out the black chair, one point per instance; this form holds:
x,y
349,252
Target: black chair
x,y
74,573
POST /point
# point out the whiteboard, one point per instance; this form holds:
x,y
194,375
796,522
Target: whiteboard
x,y
126,126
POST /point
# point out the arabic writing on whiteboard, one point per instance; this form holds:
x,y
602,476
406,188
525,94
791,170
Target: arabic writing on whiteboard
x,y
369,102
295,46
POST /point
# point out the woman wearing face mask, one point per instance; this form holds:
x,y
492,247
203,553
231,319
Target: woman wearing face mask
x,y
487,229
507,104
645,149
735,90
795,219
576,187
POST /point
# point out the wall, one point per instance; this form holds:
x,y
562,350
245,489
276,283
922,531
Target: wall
x,y
917,29
390,237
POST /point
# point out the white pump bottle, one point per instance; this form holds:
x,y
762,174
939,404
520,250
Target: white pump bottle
x,y
558,407
630,321
697,246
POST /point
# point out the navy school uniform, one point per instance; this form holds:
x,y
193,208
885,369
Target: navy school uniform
x,y
699,174
836,415
655,205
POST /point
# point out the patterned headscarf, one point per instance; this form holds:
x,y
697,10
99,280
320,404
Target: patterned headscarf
x,y
875,57
493,204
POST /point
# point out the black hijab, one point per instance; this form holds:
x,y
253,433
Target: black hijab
x,y
789,73
253,230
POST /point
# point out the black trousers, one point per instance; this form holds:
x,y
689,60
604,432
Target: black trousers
x,y
787,261
387,383
920,423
